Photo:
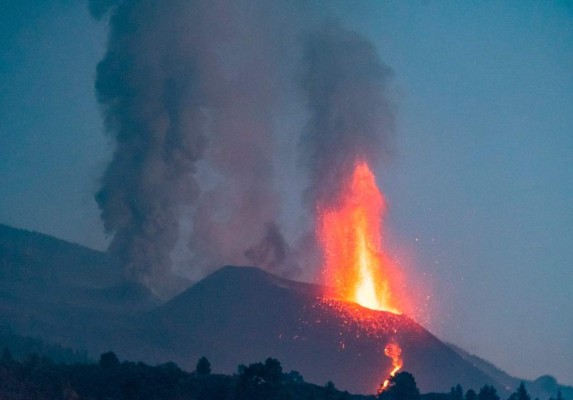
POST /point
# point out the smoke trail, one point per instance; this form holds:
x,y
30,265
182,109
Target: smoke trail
x,y
274,253
233,218
344,82
188,86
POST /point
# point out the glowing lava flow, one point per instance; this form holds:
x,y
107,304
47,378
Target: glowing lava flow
x,y
355,269
393,351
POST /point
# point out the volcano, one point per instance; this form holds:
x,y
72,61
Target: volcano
x,y
237,315
243,314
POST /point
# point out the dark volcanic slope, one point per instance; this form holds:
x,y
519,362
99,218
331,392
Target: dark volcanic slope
x,y
241,315
31,257
60,291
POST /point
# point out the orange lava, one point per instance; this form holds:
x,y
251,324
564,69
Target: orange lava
x,y
393,351
355,269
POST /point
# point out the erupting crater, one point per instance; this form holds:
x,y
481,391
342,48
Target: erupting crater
x,y
355,268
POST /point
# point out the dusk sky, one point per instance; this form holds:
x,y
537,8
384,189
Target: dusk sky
x,y
479,184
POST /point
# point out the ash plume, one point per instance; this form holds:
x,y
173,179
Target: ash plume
x,y
344,81
232,218
187,89
148,87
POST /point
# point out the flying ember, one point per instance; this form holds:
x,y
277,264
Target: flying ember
x,y
355,269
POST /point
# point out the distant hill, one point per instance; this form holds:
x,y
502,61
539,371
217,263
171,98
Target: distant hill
x,y
34,258
543,387
46,268
59,290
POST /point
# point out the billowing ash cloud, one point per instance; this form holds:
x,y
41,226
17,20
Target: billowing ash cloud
x,y
344,82
150,84
188,87
191,91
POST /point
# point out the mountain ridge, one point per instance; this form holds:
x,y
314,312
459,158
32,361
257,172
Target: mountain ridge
x,y
544,386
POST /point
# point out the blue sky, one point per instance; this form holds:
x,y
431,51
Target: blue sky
x,y
480,184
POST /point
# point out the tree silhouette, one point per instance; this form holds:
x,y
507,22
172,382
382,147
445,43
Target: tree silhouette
x,y
330,391
108,360
488,393
402,386
471,395
203,366
260,381
457,393
520,393
293,377
274,371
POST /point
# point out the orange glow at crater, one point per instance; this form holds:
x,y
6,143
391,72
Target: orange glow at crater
x,y
355,269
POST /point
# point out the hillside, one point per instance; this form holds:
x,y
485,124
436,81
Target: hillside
x,y
543,387
62,292
36,259
241,314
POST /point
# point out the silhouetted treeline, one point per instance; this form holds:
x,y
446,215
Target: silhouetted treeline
x,y
20,347
487,392
403,387
38,377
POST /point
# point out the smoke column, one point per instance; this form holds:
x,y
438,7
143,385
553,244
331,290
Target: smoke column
x,y
152,99
344,81
187,90
236,221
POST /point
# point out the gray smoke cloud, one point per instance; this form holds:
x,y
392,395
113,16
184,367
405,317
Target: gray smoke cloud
x,y
149,87
274,253
233,218
344,83
190,92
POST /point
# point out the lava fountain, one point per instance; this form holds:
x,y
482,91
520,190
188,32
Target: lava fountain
x,y
354,267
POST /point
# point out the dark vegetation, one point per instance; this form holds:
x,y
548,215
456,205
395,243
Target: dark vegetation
x,y
21,347
38,377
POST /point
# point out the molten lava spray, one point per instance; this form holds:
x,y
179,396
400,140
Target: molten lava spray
x,y
355,269
393,351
